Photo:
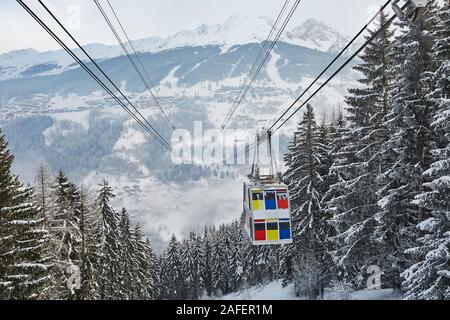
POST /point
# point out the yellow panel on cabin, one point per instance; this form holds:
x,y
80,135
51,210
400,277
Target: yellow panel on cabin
x,y
258,200
258,205
272,235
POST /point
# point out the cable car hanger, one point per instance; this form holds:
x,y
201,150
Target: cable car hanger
x,y
410,10
263,135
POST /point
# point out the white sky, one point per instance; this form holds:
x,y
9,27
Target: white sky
x,y
144,18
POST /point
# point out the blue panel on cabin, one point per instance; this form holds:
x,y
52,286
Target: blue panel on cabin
x,y
271,203
285,232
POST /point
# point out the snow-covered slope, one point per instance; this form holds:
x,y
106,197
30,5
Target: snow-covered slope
x,y
237,30
271,291
275,291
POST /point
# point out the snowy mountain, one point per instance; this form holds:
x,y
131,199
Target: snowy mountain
x,y
237,30
316,35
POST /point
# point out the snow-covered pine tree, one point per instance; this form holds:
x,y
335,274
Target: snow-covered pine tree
x,y
146,268
206,267
325,137
24,264
160,288
107,234
407,149
260,263
429,278
352,199
65,234
128,258
198,254
287,252
334,143
368,104
237,237
268,259
290,177
185,253
154,271
305,175
42,188
172,282
89,252
190,261
219,262
252,271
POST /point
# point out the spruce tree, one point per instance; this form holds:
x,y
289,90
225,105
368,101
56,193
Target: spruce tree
x,y
206,266
63,222
235,232
429,277
24,264
190,261
129,266
358,161
153,273
89,249
334,143
408,148
218,263
252,272
42,189
306,177
107,234
172,282
146,268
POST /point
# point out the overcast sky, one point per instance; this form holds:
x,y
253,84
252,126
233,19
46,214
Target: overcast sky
x,y
144,18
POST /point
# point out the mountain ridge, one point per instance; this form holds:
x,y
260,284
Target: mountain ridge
x,y
311,34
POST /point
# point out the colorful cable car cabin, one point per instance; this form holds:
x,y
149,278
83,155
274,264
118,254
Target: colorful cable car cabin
x,y
267,213
267,208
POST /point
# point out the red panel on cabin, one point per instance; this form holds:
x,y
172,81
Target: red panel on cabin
x,y
260,231
282,200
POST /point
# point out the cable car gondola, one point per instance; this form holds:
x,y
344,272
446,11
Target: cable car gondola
x,y
266,202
